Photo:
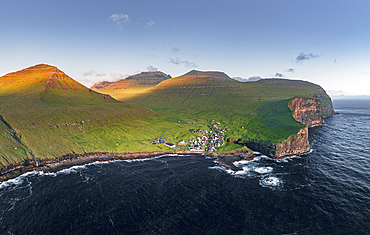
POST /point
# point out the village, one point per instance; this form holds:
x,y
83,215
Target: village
x,y
206,141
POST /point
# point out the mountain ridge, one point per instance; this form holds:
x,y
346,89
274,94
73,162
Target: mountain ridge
x,y
50,115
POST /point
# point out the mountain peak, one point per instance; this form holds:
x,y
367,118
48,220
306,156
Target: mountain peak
x,y
196,73
137,80
48,83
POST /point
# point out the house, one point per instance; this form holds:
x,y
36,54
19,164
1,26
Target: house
x,y
168,144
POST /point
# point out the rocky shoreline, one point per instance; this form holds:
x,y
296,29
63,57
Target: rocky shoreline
x,y
69,160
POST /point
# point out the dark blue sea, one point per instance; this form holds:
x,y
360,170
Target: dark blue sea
x,y
324,192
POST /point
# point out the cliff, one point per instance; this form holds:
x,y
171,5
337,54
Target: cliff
x,y
309,110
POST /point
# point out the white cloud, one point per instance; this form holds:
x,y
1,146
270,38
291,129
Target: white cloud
x,y
291,70
250,79
174,47
120,19
279,75
302,56
150,24
87,72
186,63
255,78
90,76
151,68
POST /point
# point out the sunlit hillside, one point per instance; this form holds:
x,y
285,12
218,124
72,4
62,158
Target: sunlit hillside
x,y
133,86
49,111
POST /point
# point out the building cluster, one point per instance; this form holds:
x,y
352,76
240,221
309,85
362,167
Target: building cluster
x,y
209,141
197,144
215,140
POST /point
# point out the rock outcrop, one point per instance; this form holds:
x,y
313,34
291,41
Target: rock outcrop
x,y
325,103
294,145
306,110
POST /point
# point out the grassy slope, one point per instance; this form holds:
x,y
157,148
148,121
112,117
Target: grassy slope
x,y
134,86
259,107
11,151
53,115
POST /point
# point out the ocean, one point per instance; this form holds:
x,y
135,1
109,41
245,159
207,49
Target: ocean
x,y
326,191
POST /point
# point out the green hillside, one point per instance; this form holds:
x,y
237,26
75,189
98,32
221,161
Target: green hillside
x,y
250,110
46,112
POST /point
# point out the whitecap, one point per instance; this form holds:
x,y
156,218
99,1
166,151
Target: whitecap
x,y
153,158
244,171
271,182
18,180
263,170
240,163
261,157
222,168
287,159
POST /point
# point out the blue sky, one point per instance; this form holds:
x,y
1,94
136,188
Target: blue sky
x,y
325,42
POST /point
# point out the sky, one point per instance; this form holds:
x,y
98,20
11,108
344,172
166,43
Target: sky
x,y
322,41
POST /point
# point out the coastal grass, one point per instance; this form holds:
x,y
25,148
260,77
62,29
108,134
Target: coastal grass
x,y
229,147
136,136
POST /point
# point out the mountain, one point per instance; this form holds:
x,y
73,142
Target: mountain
x,y
100,85
134,85
46,114
199,74
255,113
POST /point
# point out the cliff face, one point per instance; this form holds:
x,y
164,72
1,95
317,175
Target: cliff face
x,y
294,145
312,110
306,110
325,103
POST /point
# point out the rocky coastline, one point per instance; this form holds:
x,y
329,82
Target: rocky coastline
x,y
69,160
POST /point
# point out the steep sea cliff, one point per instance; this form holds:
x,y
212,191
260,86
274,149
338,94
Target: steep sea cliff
x,y
309,110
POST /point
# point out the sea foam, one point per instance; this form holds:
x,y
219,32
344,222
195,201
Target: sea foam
x,y
271,182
